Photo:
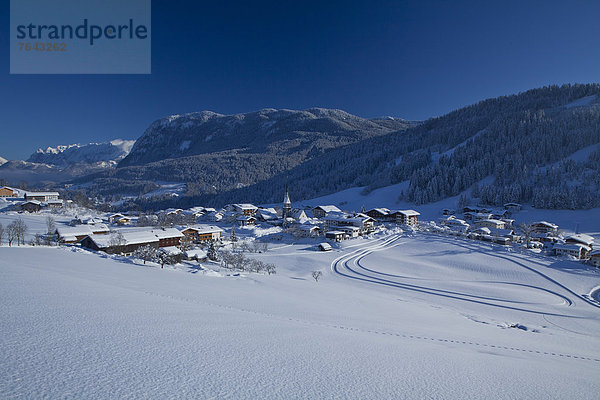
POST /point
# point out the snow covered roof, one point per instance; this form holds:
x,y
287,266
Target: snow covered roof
x,y
335,233
245,218
200,228
581,238
166,233
328,209
172,250
41,194
307,227
245,206
195,253
267,213
484,230
383,211
546,224
129,237
409,213
80,230
37,203
595,253
571,246
492,221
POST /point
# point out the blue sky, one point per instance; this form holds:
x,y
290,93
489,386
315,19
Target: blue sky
x,y
372,58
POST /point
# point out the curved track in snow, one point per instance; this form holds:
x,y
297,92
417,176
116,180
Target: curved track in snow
x,y
353,266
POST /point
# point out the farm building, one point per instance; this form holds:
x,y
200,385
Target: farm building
x,y
6,191
75,234
323,211
203,233
578,251
41,196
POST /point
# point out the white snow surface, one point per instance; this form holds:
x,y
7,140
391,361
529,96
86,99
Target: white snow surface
x,y
394,316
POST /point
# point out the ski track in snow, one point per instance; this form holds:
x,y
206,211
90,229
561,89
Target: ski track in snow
x,y
341,266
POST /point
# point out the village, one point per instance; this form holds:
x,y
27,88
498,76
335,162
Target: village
x,y
207,234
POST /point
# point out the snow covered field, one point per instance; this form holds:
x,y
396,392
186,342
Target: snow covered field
x,y
400,316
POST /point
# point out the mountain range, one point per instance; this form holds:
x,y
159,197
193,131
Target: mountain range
x,y
526,147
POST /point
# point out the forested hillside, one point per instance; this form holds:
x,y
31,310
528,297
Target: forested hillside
x,y
521,143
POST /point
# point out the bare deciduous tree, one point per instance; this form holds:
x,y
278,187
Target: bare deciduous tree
x,y
316,275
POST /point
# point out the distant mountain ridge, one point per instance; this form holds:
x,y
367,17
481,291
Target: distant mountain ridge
x,y
65,162
109,152
265,131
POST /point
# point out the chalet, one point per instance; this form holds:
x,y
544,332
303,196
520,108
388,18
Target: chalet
x,y
243,209
173,253
381,215
580,238
324,247
544,227
307,230
578,251
500,214
350,231
41,196
545,237
407,217
8,192
122,221
323,211
167,237
475,210
448,211
365,223
512,207
203,233
298,214
490,223
31,206
123,242
266,214
196,255
473,216
595,258
335,235
456,226
75,234
114,217
246,220
55,203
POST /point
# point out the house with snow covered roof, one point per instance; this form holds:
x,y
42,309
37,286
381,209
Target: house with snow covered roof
x,y
490,223
6,191
246,220
595,258
576,250
580,238
203,233
406,217
544,227
335,221
381,215
322,211
31,206
243,208
41,196
121,242
266,214
75,234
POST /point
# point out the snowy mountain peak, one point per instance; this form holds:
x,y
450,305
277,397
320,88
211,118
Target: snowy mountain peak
x,y
90,153
3,161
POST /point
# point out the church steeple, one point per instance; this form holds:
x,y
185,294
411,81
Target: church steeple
x,y
287,203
